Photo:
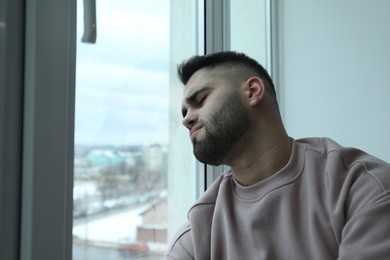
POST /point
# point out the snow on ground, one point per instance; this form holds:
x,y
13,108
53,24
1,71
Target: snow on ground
x,y
114,228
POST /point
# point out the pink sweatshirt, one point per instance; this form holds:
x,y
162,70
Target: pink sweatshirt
x,y
328,202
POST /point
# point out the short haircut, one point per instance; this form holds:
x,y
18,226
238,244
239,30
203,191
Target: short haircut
x,y
238,65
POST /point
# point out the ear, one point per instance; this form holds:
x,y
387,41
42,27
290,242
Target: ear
x,y
255,90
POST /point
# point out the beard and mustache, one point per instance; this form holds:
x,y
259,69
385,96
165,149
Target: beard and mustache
x,y
225,127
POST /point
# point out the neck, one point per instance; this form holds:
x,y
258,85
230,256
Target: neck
x,y
261,157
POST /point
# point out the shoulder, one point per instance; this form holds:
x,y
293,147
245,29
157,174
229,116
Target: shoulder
x,y
210,196
348,158
192,240
350,174
203,209
182,244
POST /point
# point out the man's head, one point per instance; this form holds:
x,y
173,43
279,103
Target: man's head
x,y
219,90
238,66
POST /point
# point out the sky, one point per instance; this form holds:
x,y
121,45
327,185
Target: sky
x,y
122,81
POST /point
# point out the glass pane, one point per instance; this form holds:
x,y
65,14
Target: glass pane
x,y
134,173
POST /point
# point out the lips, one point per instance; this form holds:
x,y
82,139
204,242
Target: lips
x,y
194,130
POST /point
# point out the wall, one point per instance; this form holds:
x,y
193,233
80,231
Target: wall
x,y
333,62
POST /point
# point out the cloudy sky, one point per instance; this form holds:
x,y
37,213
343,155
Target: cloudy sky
x,y
122,80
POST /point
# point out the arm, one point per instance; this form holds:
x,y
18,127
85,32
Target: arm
x,y
366,235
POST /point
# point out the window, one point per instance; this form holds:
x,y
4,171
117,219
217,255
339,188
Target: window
x,y
48,40
134,172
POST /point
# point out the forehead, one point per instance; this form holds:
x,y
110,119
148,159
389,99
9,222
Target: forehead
x,y
198,79
201,79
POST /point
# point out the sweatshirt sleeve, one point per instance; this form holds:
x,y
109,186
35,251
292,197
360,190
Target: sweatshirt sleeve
x,y
366,235
181,247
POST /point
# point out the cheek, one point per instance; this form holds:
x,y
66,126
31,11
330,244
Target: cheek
x,y
208,112
211,109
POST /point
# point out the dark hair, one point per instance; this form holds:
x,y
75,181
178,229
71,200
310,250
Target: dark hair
x,y
230,60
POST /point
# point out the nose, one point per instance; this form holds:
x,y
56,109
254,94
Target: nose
x,y
190,119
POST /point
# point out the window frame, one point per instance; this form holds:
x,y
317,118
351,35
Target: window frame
x,y
217,38
11,106
48,123
39,137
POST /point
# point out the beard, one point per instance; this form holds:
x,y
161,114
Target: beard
x,y
226,126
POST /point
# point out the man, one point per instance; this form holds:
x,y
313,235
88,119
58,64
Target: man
x,y
282,198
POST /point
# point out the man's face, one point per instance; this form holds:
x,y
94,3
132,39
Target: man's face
x,y
215,115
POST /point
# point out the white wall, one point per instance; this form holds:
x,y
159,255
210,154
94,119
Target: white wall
x,y
333,60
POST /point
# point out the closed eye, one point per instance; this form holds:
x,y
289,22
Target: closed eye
x,y
202,100
196,99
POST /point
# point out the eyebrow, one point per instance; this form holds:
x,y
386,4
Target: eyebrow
x,y
191,98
